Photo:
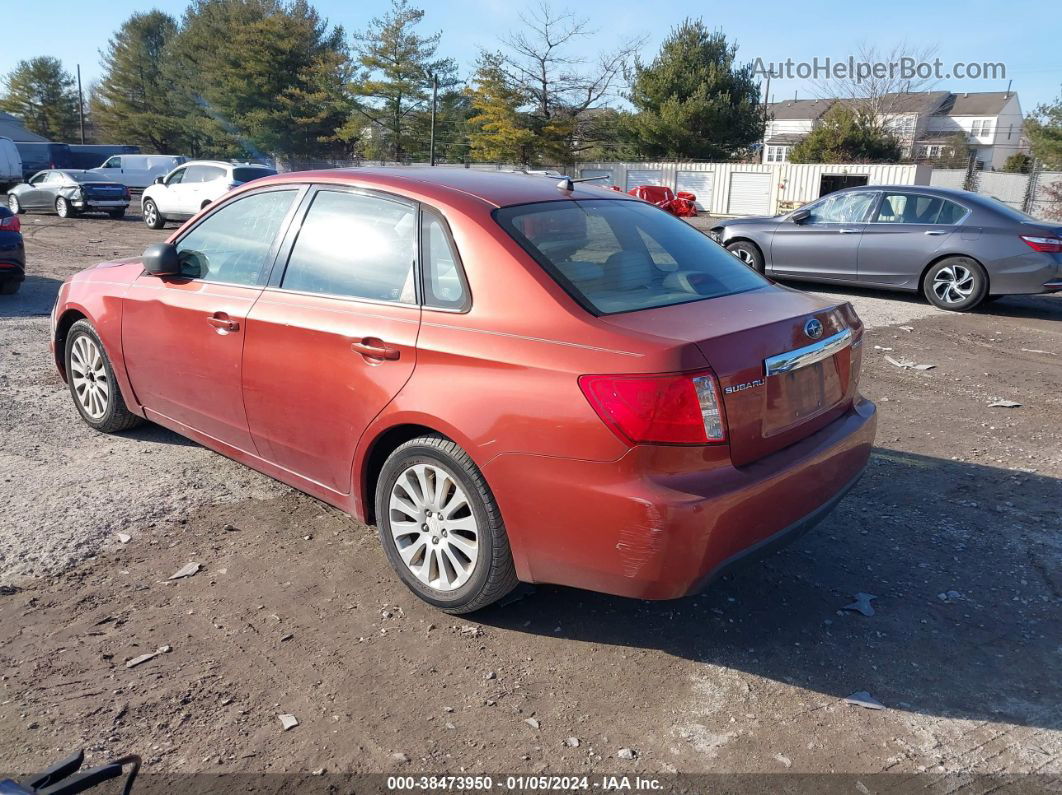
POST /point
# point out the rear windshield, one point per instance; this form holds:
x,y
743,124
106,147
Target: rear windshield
x,y
247,174
620,256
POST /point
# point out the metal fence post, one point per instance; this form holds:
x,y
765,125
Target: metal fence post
x,y
1031,186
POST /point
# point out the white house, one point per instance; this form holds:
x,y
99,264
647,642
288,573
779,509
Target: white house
x,y
924,122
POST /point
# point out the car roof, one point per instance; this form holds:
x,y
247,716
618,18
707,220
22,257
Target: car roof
x,y
932,190
496,188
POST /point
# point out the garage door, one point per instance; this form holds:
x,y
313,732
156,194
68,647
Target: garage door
x,y
750,193
636,177
597,172
699,183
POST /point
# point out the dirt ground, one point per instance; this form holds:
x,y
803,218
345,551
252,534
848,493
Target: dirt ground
x,y
955,529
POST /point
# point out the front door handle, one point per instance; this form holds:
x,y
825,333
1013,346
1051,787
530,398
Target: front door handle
x,y
373,348
935,232
848,231
223,323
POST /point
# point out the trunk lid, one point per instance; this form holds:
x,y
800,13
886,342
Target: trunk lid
x,y
740,335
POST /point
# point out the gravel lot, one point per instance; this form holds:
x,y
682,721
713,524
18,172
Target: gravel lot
x,y
296,611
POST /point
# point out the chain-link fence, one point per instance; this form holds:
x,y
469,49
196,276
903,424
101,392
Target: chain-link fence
x,y
1039,193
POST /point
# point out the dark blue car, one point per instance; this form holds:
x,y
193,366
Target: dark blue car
x,y
12,253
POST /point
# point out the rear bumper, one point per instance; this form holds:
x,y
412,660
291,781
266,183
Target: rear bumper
x,y
12,257
653,527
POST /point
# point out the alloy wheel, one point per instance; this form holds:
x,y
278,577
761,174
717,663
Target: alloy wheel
x,y
744,255
151,215
12,204
62,208
953,284
433,527
89,377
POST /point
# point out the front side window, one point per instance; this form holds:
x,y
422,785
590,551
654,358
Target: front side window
x,y
842,208
444,281
610,254
177,177
114,162
355,246
232,244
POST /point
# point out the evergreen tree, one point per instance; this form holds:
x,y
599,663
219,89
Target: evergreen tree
x,y
1044,129
262,77
846,136
132,102
395,82
498,131
43,96
694,100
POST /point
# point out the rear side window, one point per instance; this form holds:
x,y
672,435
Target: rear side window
x,y
355,246
912,208
621,256
444,279
232,244
203,173
247,174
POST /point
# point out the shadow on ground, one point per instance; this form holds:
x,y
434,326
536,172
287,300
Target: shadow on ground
x,y
35,297
915,527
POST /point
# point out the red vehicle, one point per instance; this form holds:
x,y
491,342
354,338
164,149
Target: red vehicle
x,y
514,379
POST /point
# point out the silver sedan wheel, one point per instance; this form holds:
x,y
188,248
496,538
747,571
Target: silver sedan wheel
x,y
62,207
89,376
433,527
744,255
953,284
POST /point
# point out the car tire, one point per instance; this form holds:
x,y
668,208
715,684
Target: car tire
x,y
117,215
64,209
152,217
14,205
9,286
957,284
87,367
451,549
747,252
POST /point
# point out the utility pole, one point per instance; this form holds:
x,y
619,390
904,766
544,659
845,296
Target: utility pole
x,y
80,104
434,100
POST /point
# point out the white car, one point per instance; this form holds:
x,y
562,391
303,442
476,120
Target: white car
x,y
138,171
192,186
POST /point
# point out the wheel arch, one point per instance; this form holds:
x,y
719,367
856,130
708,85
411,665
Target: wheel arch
x,y
376,454
920,287
69,317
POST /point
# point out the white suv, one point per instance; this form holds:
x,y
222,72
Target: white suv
x,y
192,186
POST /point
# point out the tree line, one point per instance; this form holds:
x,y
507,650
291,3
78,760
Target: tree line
x,y
272,78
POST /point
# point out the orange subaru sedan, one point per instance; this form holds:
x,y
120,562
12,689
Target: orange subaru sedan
x,y
515,379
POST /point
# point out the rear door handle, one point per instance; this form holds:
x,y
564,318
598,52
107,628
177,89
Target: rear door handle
x,y
223,322
372,348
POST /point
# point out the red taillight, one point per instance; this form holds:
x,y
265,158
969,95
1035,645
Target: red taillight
x,y
1048,245
10,223
678,408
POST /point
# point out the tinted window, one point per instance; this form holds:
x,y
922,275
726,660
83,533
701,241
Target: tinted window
x,y
912,208
232,244
842,208
610,254
444,282
243,174
356,246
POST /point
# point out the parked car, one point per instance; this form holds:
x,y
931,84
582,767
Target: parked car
x,y
189,188
68,193
138,171
514,380
89,156
12,253
958,248
42,156
10,164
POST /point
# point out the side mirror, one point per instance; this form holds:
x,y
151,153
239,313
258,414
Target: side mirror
x,y
800,216
160,259
159,180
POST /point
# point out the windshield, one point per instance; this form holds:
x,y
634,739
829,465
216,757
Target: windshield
x,y
621,256
247,174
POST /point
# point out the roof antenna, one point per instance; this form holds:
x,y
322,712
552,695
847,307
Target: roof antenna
x,y
568,184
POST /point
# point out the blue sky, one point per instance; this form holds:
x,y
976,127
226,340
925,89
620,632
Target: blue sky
x,y
1020,34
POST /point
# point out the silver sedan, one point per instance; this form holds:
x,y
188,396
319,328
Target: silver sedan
x,y
958,248
69,192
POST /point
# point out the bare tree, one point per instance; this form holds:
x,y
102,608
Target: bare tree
x,y
879,84
544,62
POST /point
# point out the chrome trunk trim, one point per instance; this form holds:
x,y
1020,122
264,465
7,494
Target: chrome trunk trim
x,y
802,357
